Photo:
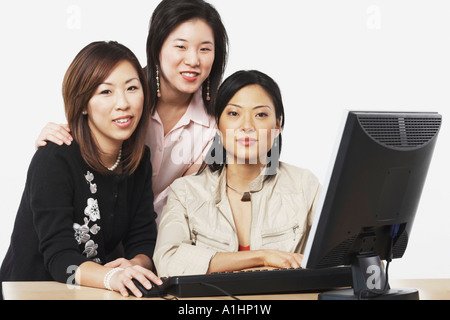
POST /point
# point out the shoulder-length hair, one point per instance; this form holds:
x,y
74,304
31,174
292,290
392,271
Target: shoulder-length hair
x,y
168,15
88,70
216,157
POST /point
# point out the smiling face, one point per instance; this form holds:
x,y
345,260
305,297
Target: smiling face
x,y
187,57
248,126
115,108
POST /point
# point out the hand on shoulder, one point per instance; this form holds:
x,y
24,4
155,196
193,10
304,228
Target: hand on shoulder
x,y
56,133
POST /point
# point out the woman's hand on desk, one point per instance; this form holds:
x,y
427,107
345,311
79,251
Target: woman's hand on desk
x,y
123,280
118,275
137,268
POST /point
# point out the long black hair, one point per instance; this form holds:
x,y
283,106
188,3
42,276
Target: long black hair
x,y
216,157
168,15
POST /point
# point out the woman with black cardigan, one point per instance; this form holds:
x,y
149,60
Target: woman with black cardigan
x,y
82,201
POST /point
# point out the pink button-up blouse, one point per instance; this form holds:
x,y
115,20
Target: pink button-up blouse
x,y
185,145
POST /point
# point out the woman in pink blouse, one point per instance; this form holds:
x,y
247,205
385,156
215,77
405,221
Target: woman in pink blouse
x,y
187,50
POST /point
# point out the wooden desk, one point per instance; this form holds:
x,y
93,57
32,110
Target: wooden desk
x,y
429,289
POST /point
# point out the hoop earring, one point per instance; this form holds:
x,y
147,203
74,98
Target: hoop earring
x,y
158,85
208,95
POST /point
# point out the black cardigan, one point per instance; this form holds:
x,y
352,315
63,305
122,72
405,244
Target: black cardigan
x,y
70,214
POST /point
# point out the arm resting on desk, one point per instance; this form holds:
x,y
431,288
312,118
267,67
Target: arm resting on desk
x,y
91,274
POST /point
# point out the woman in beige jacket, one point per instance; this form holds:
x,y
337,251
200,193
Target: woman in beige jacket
x,y
244,209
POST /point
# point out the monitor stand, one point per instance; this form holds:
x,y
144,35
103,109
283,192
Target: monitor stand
x,y
370,282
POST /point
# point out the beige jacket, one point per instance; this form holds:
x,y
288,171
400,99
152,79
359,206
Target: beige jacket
x,y
197,221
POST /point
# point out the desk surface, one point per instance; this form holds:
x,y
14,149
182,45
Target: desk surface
x,y
429,289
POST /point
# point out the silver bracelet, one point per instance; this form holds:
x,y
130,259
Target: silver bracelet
x,y
108,276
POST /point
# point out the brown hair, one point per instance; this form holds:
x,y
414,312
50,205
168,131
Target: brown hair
x,y
88,70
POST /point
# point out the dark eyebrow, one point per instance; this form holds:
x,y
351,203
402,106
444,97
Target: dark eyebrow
x,y
257,107
204,42
132,79
126,82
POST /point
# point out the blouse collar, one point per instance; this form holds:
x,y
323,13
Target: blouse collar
x,y
195,112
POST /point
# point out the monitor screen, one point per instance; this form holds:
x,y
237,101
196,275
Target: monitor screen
x,y
371,195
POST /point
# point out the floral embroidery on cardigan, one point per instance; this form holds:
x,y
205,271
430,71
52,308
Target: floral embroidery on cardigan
x,y
93,187
92,213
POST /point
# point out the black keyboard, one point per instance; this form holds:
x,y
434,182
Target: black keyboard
x,y
259,282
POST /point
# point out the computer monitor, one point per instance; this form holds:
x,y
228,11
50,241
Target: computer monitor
x,y
370,198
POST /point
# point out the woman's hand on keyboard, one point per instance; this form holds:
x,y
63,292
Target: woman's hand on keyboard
x,y
281,260
247,260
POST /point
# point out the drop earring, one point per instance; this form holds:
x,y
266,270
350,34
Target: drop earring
x,y
208,96
158,85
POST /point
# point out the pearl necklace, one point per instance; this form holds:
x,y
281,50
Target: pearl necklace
x,y
114,167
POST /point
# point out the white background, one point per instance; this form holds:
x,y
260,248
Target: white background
x,y
326,55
